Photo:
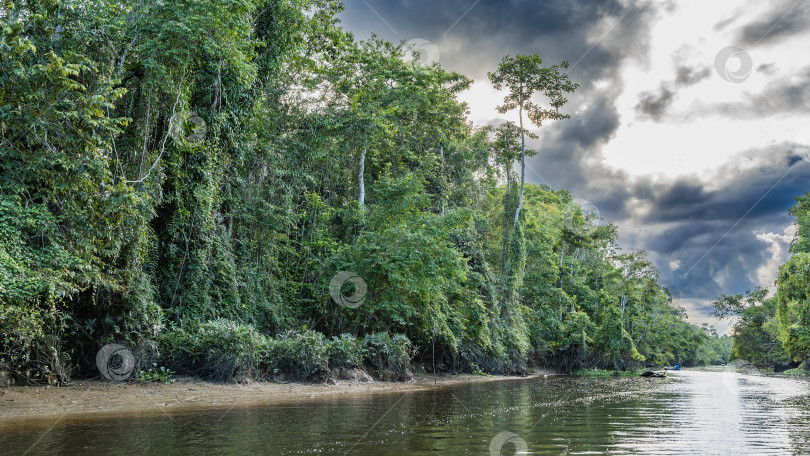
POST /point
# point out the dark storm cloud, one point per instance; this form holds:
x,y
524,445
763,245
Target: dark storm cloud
x,y
713,233
473,36
593,126
567,147
688,200
786,19
710,230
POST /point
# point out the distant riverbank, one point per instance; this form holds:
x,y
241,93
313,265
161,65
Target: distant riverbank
x,y
101,398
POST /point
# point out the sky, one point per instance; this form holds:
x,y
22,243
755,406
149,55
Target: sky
x,y
690,130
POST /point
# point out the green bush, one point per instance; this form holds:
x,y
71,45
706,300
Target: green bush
x,y
177,349
31,344
301,355
155,374
228,347
346,351
392,353
217,349
797,372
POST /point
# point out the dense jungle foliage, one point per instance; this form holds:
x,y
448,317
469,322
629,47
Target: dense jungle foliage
x,y
773,329
187,177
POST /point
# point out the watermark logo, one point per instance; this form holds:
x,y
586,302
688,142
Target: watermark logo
x,y
187,128
423,52
741,381
589,212
734,376
505,441
115,362
341,298
801,145
733,64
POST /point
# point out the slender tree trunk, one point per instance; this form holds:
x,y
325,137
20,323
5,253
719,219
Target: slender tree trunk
x,y
441,193
522,168
433,341
507,169
505,250
362,197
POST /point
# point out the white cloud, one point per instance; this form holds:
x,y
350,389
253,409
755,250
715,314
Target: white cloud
x,y
695,314
482,99
688,141
778,247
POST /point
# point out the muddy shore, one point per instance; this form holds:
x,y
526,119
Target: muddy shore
x,y
96,398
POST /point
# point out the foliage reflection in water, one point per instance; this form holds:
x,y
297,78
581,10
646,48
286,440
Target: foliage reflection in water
x,y
693,413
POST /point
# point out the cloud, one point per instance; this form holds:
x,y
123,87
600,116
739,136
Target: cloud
x,y
767,68
472,39
687,76
789,94
655,104
779,254
716,236
708,239
728,20
786,19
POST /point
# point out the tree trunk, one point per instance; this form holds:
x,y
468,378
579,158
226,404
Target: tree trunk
x,y
441,193
522,168
362,197
505,250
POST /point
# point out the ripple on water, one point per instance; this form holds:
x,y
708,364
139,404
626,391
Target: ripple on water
x,y
694,413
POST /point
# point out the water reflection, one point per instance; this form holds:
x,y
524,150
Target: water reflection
x,y
697,413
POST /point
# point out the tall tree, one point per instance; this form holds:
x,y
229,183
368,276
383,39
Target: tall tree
x,y
523,76
507,149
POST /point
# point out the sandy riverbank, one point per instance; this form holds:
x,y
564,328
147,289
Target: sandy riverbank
x,y
99,398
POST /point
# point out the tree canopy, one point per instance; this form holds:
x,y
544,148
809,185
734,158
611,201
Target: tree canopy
x,y
188,178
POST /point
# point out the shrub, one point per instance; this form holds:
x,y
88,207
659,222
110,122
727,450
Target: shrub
x,y
216,350
155,374
797,372
228,347
493,359
177,349
386,352
301,355
31,344
346,351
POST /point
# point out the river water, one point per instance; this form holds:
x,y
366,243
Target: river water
x,y
695,412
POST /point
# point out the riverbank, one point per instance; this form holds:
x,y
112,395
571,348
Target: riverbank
x,y
101,398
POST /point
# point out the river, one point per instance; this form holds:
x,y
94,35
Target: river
x,y
695,412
